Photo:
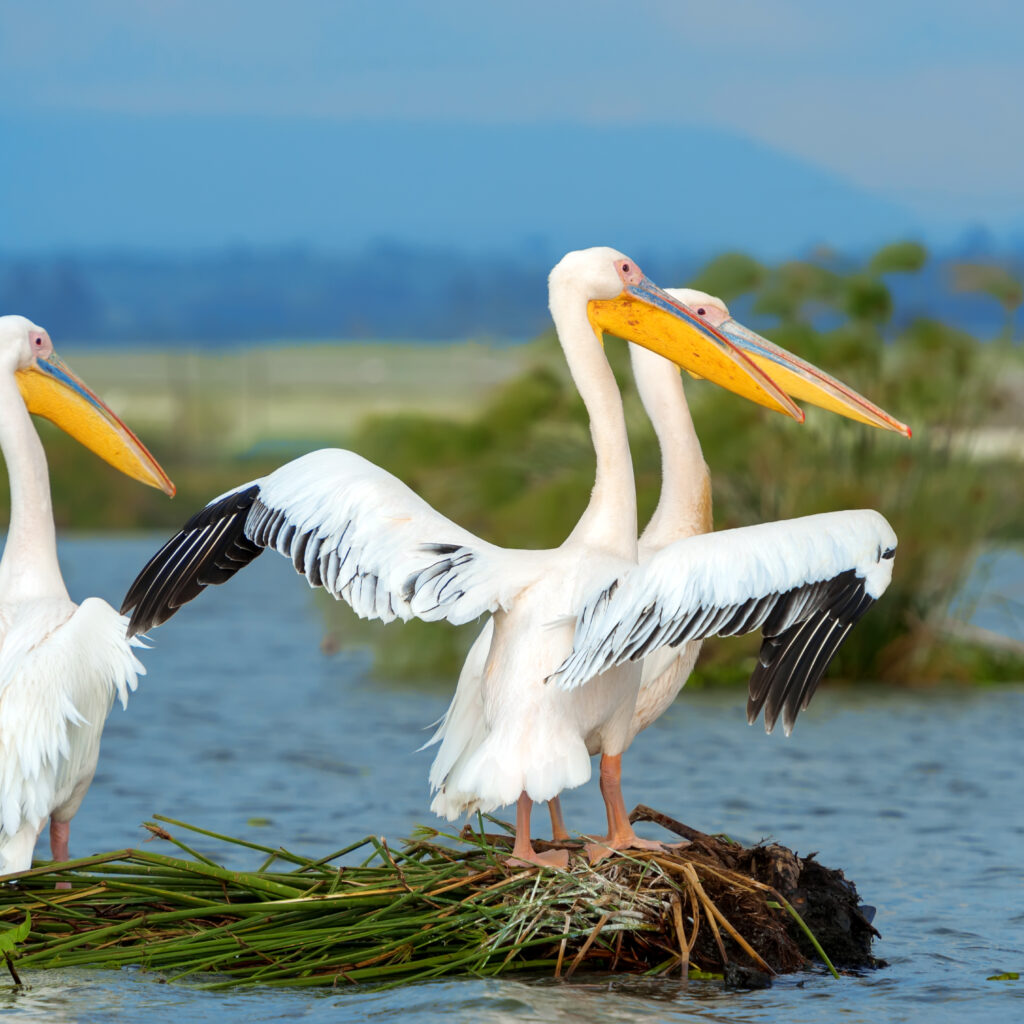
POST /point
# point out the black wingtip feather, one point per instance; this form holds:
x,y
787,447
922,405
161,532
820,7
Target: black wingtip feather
x,y
175,574
793,662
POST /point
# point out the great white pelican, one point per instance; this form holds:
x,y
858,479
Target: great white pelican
x,y
61,664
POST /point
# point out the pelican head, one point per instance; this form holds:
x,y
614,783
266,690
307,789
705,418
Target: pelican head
x,y
798,378
621,300
52,391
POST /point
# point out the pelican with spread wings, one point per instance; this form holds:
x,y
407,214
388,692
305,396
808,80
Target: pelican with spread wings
x,y
351,527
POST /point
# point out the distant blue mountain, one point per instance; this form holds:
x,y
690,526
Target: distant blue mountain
x,y
244,295
229,229
88,181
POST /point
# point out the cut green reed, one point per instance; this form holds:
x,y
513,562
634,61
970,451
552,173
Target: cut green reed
x,y
436,905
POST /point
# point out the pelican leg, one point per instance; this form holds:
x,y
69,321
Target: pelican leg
x,y
523,853
559,833
620,832
60,831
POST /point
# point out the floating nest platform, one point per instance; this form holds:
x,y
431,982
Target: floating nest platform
x,y
437,905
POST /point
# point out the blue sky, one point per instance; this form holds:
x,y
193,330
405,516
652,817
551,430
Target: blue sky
x,y
915,107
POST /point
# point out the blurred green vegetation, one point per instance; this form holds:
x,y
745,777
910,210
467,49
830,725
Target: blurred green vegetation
x,y
90,495
996,282
520,469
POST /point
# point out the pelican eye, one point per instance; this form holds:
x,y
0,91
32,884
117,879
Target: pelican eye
x,y
625,268
702,311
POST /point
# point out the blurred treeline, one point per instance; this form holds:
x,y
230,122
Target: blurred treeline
x,y
519,470
384,290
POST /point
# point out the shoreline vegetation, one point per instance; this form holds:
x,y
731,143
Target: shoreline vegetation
x,y
435,905
496,438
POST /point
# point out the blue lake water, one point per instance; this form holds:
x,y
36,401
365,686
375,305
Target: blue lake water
x,y
918,796
994,595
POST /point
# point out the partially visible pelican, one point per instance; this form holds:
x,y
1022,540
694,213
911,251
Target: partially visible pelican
x,y
683,510
794,580
61,665
351,527
684,505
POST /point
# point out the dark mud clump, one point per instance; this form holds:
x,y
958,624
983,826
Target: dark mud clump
x,y
825,898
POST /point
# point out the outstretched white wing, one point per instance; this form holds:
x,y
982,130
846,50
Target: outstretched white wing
x,y
348,526
60,670
802,582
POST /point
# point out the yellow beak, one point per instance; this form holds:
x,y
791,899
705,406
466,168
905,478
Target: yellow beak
x,y
52,391
646,315
804,381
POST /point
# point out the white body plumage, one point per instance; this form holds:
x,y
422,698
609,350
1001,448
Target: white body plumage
x,y
61,668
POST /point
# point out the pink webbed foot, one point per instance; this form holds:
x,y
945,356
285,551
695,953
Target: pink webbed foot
x,y
604,847
548,859
523,853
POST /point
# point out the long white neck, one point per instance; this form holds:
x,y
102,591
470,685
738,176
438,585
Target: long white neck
x,y
684,507
609,521
28,568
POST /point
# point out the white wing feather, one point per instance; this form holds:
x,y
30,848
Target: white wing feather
x,y
726,583
376,544
349,526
